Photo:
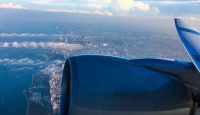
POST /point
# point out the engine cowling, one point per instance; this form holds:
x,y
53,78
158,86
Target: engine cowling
x,y
102,85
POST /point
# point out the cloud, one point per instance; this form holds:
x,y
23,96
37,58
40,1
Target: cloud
x,y
93,5
47,45
11,6
104,1
24,61
115,7
107,7
29,35
125,4
43,2
173,2
131,4
140,5
98,7
21,35
96,12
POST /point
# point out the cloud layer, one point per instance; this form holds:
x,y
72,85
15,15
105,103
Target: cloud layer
x,y
172,2
47,45
21,35
96,12
130,4
12,6
100,7
111,7
24,61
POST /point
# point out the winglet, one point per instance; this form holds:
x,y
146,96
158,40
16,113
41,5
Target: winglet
x,y
190,38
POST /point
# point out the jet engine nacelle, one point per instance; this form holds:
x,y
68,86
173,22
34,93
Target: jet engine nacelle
x,y
102,85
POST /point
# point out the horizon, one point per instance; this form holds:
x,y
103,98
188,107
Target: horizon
x,y
123,8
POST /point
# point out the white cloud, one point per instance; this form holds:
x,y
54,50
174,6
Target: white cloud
x,y
141,5
173,2
43,2
27,35
99,7
93,5
12,6
104,7
5,44
48,45
96,12
57,47
131,4
118,4
104,1
24,61
124,4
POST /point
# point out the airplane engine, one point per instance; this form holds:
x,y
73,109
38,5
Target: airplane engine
x,y
102,85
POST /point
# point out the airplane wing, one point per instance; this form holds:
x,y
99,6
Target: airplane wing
x,y
190,38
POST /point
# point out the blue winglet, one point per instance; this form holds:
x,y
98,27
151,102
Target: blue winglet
x,y
190,38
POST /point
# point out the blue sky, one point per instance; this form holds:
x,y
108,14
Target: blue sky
x,y
165,8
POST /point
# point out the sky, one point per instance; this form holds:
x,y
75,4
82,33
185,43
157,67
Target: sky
x,y
133,8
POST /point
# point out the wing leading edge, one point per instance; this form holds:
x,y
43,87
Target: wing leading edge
x,y
190,38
